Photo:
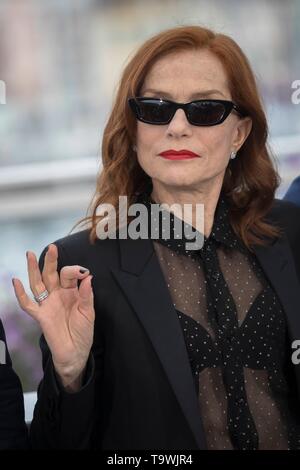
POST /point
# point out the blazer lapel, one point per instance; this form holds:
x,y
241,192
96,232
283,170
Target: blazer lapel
x,y
278,264
142,281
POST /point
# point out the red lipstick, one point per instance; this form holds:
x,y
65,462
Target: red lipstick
x,y
178,154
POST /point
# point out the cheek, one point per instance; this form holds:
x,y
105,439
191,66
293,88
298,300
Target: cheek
x,y
147,135
217,141
148,142
215,136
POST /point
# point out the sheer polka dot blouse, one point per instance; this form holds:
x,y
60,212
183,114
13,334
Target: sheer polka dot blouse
x,y
236,338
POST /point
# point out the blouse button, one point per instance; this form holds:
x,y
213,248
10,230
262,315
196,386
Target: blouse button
x,y
215,276
240,401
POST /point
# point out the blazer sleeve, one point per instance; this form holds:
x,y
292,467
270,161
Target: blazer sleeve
x,y
62,420
13,430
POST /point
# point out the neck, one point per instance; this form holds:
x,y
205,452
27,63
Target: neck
x,y
173,195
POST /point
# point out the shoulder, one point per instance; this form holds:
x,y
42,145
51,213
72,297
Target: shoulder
x,y
74,241
77,248
286,214
80,242
282,206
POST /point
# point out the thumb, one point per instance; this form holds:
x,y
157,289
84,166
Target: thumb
x,y
86,295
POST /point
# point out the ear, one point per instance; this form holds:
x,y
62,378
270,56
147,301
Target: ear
x,y
242,130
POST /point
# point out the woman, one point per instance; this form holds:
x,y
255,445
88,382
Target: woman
x,y
170,348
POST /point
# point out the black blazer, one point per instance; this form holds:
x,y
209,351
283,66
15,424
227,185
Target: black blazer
x,y
139,391
13,431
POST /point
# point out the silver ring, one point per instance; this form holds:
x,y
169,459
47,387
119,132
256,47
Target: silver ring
x,y
39,298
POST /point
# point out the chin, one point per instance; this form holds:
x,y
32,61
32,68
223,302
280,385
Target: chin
x,y
179,182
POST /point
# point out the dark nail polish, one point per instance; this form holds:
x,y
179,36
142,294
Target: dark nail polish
x,y
83,270
13,281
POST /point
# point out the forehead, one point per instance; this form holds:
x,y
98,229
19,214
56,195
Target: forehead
x,y
191,70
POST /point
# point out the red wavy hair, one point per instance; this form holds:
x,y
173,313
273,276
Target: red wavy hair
x,y
250,180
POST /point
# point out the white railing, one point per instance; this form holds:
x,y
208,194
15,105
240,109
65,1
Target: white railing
x,y
48,172
51,187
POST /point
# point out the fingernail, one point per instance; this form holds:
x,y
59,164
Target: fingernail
x,y
83,270
12,280
27,254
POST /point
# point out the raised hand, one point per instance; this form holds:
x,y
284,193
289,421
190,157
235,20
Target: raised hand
x,y
66,316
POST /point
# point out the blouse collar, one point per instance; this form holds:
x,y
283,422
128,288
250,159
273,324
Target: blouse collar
x,y
221,233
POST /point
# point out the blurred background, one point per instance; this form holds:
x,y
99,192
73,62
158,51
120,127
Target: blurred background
x,y
60,62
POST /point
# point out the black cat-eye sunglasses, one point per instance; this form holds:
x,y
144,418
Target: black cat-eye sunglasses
x,y
206,112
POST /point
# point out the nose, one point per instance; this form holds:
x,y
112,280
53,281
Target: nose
x,y
179,123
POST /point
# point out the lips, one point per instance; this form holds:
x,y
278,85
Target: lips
x,y
178,154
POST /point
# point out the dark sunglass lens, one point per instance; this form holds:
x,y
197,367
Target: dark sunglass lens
x,y
206,112
154,110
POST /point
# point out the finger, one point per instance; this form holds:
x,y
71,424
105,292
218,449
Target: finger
x,y
24,301
86,298
35,278
50,275
69,275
